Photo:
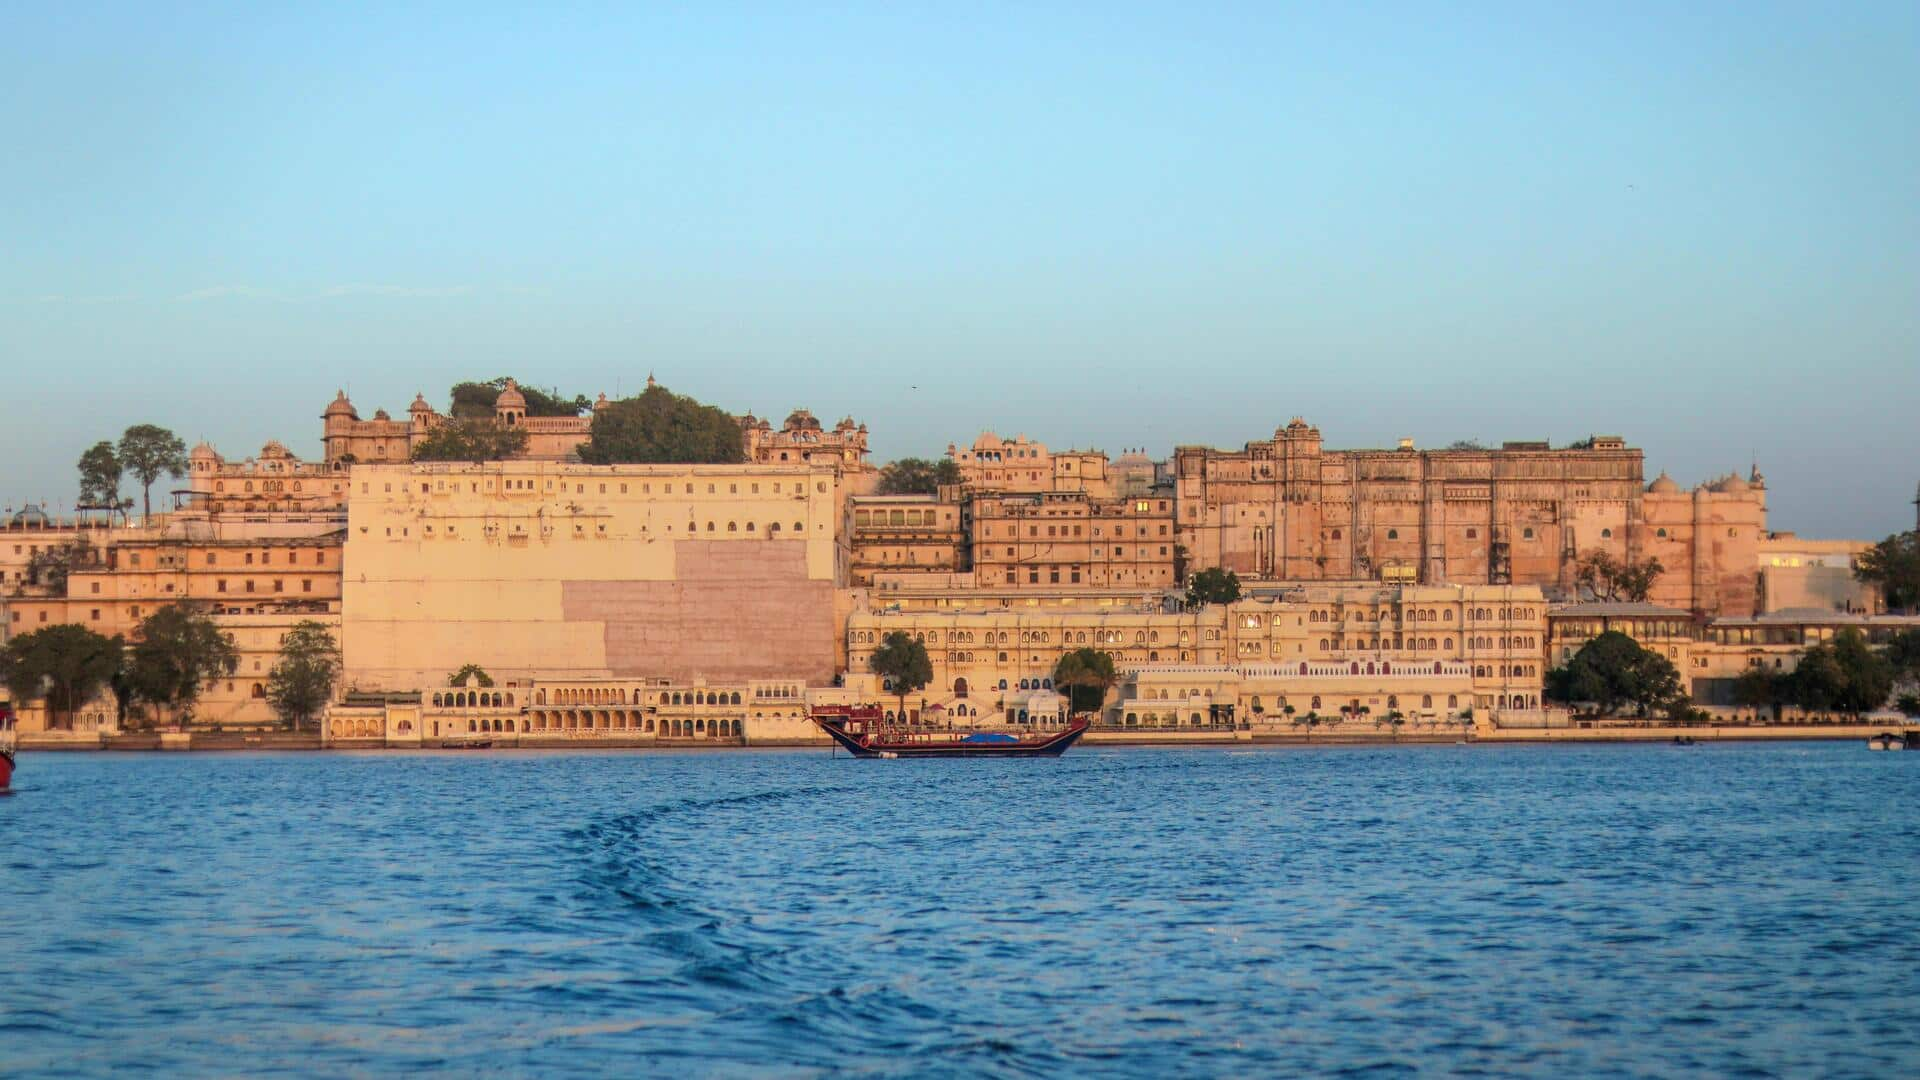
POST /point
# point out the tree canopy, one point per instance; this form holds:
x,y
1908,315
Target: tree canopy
x,y
1600,576
63,664
1213,586
1613,672
178,651
1894,565
917,476
100,473
149,452
661,427
470,671
301,683
1843,675
1086,675
902,660
470,440
475,400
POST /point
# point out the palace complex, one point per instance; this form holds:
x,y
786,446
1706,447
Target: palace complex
x,y
673,602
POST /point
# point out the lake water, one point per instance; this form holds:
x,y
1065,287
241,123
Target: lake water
x,y
1740,909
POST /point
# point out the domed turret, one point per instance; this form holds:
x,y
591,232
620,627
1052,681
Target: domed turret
x,y
601,402
1731,484
419,405
340,407
1663,485
511,406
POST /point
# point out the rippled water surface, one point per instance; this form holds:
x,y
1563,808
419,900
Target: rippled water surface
x,y
1543,910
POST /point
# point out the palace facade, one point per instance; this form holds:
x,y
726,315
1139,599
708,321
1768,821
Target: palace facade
x,y
1287,509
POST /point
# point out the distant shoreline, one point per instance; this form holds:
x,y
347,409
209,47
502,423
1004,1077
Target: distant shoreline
x,y
228,742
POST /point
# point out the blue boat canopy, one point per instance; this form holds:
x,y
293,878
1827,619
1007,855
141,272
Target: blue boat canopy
x,y
995,737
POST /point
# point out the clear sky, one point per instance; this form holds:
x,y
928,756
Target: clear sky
x,y
1696,225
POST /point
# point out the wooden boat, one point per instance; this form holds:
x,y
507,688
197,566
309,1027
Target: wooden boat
x,y
864,732
7,737
1886,741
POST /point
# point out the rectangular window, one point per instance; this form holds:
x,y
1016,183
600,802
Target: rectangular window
x,y
249,584
96,587
279,585
220,585
306,584
209,558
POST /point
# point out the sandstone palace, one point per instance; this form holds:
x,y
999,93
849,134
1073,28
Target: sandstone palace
x,y
654,603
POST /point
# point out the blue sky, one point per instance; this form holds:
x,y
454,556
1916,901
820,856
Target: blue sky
x,y
1694,225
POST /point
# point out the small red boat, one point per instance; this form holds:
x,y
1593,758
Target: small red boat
x,y
6,747
864,731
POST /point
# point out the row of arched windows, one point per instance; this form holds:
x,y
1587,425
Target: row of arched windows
x,y
462,699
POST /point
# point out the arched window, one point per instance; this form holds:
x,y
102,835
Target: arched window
x,y
1336,534
1660,533
1606,534
1526,534
1393,534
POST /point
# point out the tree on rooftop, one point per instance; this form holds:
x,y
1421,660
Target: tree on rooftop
x,y
1894,565
902,660
473,672
100,474
1213,586
471,440
1600,576
301,683
475,400
917,476
149,452
1086,675
661,427
178,651
64,664
1466,444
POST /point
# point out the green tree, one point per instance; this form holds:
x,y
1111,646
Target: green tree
x,y
1086,675
1817,683
176,653
470,671
301,683
902,660
1903,652
100,473
1466,444
1909,705
1894,565
148,452
1869,675
1602,577
661,427
917,476
1613,671
1181,559
475,400
50,567
470,440
1759,689
1213,586
64,664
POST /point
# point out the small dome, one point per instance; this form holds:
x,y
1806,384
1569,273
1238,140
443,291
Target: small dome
x,y
1663,485
381,414
419,404
341,407
274,449
601,402
511,397
1730,485
203,451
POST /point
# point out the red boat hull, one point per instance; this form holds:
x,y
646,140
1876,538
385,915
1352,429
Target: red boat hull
x,y
6,768
940,744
